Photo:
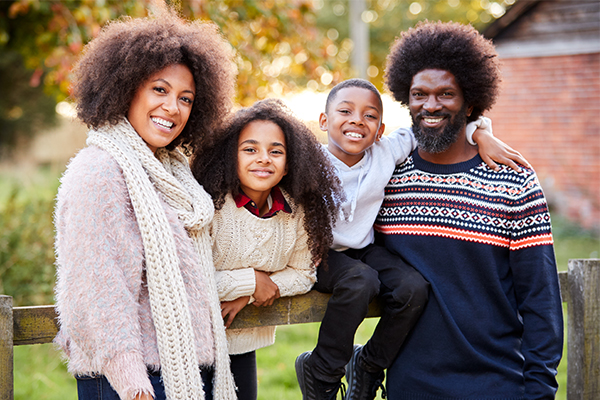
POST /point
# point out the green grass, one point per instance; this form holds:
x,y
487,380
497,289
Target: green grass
x,y
40,374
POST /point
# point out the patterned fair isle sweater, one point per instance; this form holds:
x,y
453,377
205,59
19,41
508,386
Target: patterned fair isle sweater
x,y
243,242
493,326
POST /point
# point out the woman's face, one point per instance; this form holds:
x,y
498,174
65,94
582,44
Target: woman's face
x,y
162,105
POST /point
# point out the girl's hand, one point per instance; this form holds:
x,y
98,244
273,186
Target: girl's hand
x,y
266,290
230,309
492,149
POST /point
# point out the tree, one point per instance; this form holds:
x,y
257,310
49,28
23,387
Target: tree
x,y
282,45
279,48
278,44
388,18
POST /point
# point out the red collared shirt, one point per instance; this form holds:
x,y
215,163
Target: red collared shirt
x,y
279,203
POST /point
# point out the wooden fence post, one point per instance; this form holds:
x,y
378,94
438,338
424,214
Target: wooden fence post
x,y
6,348
583,359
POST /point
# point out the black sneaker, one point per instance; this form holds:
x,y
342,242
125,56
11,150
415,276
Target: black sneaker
x,y
311,387
362,385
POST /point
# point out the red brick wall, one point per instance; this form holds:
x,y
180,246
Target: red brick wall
x,y
549,110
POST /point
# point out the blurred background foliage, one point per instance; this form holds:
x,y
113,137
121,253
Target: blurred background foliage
x,y
282,46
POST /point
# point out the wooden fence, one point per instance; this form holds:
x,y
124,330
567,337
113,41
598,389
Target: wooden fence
x,y
580,289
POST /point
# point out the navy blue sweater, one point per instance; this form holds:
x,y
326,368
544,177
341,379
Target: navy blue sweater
x,y
493,326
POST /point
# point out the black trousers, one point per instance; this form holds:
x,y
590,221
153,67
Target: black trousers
x,y
355,277
243,368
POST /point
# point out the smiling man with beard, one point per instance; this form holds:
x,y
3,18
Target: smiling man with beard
x,y
482,238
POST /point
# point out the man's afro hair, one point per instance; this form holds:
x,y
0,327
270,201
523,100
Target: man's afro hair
x,y
453,47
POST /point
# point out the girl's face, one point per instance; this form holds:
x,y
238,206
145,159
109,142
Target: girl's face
x,y
162,105
262,158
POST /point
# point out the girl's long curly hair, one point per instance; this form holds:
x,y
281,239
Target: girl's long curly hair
x,y
128,51
311,180
453,47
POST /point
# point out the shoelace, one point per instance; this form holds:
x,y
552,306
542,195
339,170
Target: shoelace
x,y
379,385
335,391
343,389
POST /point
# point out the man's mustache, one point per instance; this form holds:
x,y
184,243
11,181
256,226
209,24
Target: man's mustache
x,y
423,114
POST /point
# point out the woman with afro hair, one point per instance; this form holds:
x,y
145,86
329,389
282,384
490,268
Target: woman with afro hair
x,y
138,308
276,197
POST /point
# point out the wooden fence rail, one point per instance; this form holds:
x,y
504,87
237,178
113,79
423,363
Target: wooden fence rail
x,y
580,289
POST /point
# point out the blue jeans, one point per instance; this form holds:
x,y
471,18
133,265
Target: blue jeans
x,y
98,387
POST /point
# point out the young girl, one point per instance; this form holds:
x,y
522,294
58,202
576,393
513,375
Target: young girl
x,y
276,196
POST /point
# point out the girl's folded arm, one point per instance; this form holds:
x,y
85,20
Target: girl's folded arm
x,y
233,284
300,274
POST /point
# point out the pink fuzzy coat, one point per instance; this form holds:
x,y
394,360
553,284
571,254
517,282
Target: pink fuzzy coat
x,y
106,324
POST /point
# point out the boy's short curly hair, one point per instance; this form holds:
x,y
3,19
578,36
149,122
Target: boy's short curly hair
x,y
350,83
311,180
453,47
128,51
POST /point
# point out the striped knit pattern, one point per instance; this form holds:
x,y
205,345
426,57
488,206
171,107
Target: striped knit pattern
x,y
505,209
168,174
492,327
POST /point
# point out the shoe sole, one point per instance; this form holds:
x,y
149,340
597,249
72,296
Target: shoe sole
x,y
350,370
299,365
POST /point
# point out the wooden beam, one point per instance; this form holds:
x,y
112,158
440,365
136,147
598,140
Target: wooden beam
x,y
39,324
6,347
33,325
583,358
301,309
511,15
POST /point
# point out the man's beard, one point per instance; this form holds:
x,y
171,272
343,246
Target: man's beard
x,y
434,140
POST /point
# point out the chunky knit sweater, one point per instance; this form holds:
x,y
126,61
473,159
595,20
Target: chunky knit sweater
x,y
492,328
243,242
101,290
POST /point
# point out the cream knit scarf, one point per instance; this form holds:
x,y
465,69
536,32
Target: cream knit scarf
x,y
169,174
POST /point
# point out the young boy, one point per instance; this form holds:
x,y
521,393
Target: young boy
x,y
357,269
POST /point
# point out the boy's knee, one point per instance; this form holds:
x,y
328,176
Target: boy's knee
x,y
414,289
362,278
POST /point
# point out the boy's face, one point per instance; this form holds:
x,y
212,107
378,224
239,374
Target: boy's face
x,y
353,123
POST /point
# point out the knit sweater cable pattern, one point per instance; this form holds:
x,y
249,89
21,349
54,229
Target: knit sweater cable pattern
x,y
242,243
150,181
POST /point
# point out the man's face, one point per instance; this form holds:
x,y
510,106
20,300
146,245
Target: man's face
x,y
438,110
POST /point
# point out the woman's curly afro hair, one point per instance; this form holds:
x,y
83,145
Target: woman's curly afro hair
x,y
453,47
128,51
311,180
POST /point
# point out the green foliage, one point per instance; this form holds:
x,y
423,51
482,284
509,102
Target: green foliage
x,y
388,18
24,108
26,244
279,46
279,49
